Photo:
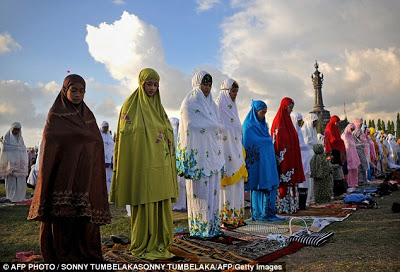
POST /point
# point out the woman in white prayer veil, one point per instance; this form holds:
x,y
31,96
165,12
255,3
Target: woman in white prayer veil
x,y
392,152
108,152
200,158
14,163
309,130
310,136
180,204
306,153
382,162
231,202
33,174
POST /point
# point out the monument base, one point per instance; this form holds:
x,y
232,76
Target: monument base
x,y
323,117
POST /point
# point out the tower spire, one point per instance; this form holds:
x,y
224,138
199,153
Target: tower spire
x,y
317,79
323,115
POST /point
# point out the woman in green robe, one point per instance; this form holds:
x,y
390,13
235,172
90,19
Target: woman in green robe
x,y
321,172
145,169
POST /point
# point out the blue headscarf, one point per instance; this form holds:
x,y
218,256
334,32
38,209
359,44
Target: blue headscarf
x,y
260,154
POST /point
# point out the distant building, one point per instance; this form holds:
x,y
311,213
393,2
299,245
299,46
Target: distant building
x,y
323,115
343,124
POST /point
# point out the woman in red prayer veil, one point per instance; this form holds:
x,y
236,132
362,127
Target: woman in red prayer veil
x,y
287,151
333,139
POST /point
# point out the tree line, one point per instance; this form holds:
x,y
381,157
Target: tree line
x,y
389,127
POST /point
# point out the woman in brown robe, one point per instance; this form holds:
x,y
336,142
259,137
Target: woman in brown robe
x,y
70,198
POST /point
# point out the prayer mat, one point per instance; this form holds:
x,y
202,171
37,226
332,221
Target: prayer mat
x,y
321,212
334,205
4,203
262,229
25,202
292,248
27,257
230,248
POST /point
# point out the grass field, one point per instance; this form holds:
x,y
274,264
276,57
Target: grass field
x,y
369,240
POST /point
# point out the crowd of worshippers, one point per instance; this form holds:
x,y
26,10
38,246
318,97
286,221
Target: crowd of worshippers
x,y
202,163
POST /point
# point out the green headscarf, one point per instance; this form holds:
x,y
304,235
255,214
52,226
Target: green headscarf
x,y
144,156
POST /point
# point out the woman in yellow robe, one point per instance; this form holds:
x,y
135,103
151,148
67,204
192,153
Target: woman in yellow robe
x,y
145,169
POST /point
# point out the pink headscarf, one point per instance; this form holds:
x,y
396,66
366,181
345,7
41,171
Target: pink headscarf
x,y
359,133
357,122
353,161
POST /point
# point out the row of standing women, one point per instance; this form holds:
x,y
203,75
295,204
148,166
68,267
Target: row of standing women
x,y
210,156
363,151
70,198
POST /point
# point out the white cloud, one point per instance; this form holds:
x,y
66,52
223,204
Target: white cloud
x,y
271,54
7,44
119,2
52,87
106,108
204,5
32,110
7,109
139,46
26,110
270,47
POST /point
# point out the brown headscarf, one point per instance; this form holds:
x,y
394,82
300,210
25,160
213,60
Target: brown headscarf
x,y
71,180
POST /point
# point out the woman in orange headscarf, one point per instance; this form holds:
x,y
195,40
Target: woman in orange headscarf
x,y
287,150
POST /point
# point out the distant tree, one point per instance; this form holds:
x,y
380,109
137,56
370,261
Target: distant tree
x,y
388,126
369,123
383,126
379,125
373,123
393,128
398,126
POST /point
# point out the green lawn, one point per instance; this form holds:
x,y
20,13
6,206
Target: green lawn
x,y
18,234
369,240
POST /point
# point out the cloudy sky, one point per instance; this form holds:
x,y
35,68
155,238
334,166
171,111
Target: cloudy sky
x,y
269,47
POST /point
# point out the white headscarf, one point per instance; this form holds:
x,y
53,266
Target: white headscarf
x,y
33,175
13,156
199,150
386,142
108,143
379,144
392,151
305,149
228,109
231,135
309,131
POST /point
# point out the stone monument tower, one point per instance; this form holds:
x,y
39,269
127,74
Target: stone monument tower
x,y
323,115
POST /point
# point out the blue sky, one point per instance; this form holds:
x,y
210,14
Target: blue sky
x,y
52,35
269,47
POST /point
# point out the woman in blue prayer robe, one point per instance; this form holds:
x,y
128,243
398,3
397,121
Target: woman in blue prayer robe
x,y
263,179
